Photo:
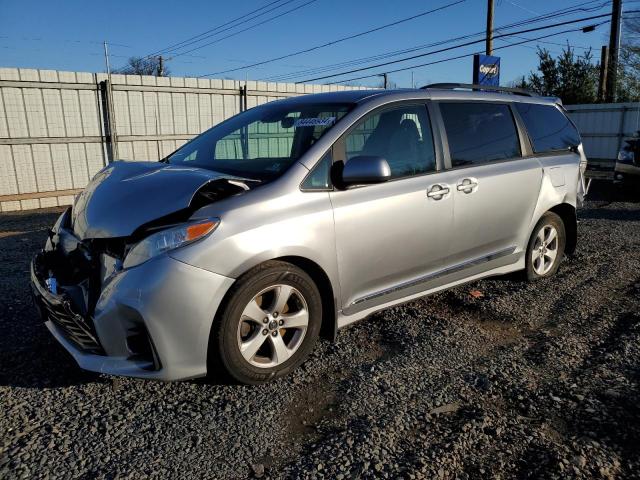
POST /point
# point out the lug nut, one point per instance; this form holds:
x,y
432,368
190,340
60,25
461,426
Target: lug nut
x,y
265,331
281,322
265,320
274,333
275,314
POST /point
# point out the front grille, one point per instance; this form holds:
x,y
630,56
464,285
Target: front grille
x,y
75,327
59,309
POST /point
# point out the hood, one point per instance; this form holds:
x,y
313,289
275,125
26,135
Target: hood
x,y
126,195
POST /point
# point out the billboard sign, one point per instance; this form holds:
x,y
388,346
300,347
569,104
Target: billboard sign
x,y
486,70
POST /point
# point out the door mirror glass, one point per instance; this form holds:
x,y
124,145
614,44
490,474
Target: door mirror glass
x,y
365,169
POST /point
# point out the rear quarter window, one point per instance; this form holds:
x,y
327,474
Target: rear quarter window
x,y
549,129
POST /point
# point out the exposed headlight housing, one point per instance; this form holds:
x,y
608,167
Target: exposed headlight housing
x,y
168,239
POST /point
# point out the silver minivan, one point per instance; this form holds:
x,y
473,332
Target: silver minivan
x,y
299,217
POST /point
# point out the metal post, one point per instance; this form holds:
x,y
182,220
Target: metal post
x,y
385,82
160,66
243,98
489,49
109,120
604,66
244,132
614,50
108,106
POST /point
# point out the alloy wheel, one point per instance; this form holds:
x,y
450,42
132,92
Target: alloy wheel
x,y
545,250
272,326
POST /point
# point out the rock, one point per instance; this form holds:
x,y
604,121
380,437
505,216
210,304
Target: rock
x,y
579,461
258,469
448,408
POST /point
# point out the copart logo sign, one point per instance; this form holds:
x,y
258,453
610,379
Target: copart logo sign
x,y
486,70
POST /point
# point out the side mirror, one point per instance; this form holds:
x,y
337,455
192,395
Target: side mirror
x,y
366,169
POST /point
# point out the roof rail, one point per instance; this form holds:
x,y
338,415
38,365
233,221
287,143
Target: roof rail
x,y
485,88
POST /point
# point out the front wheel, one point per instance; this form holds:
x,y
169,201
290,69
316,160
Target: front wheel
x,y
546,247
268,325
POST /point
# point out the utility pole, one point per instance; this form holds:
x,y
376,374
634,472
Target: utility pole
x,y
160,66
604,67
614,51
489,49
106,59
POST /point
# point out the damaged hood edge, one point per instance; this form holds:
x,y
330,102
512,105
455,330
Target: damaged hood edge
x,y
126,195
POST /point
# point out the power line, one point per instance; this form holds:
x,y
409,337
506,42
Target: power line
x,y
245,29
472,42
343,39
204,35
466,55
364,60
248,28
209,33
158,52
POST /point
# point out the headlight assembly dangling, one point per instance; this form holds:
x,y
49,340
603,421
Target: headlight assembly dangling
x,y
169,239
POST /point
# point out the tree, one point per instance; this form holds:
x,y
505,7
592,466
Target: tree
x,y
574,79
146,66
628,87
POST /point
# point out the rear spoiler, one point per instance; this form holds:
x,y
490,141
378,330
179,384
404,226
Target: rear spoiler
x,y
556,100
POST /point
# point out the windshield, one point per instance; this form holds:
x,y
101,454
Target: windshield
x,y
261,143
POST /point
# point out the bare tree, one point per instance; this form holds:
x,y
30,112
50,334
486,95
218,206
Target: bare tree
x,y
629,65
146,66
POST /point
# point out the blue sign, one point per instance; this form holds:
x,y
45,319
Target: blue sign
x,y
486,70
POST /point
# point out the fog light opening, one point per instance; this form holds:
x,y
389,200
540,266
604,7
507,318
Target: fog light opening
x,y
141,347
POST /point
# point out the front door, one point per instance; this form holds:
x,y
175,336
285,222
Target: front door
x,y
390,235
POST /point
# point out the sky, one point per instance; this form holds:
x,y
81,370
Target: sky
x,y
68,35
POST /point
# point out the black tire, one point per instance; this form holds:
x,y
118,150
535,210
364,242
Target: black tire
x,y
549,219
224,352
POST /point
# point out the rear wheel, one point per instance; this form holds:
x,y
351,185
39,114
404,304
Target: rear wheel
x,y
268,325
546,247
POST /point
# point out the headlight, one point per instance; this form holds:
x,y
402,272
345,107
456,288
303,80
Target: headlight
x,y
625,156
169,239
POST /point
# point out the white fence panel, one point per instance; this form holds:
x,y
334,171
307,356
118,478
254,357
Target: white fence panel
x,y
54,126
604,127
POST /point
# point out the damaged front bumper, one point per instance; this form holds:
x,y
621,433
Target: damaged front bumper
x,y
150,321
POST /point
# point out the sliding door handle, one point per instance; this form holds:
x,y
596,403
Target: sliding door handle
x,y
467,185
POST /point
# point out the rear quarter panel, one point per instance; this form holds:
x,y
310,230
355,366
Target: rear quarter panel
x,y
560,183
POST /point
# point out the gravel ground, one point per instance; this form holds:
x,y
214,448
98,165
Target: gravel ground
x,y
496,379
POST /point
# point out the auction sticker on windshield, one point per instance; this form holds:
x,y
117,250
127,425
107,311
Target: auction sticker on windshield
x,y
314,122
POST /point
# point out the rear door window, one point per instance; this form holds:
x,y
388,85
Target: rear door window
x,y
479,132
549,129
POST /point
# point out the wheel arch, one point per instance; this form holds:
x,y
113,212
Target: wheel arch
x,y
329,327
567,214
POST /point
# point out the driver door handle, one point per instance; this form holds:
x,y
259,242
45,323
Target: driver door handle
x,y
438,191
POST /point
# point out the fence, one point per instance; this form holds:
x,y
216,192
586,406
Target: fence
x,y
604,127
57,129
